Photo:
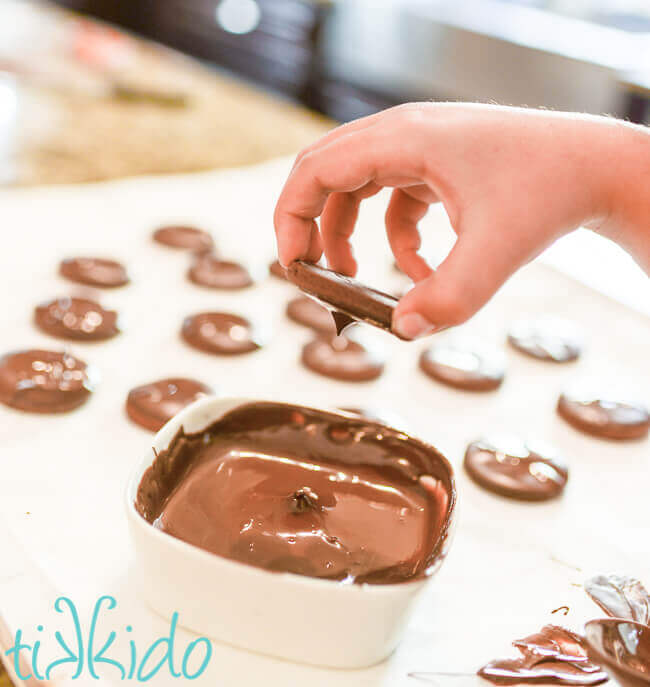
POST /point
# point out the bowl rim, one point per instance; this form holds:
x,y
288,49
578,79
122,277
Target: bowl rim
x,y
218,407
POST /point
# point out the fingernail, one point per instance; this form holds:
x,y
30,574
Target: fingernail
x,y
412,326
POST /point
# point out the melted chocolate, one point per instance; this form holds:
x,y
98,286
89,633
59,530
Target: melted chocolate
x,y
341,294
43,381
512,468
292,489
546,339
622,647
308,312
373,415
606,418
276,270
464,368
221,333
341,358
209,271
152,405
76,318
620,597
187,238
552,656
94,272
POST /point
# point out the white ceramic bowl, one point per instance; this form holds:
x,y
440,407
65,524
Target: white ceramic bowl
x,y
302,619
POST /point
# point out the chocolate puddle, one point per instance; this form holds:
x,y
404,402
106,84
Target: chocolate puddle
x,y
213,273
76,318
554,655
291,489
220,333
98,272
341,358
184,237
623,647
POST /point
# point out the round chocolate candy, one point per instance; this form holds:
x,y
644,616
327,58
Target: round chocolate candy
x,y
546,338
94,272
513,468
43,381
213,273
152,405
604,417
221,333
76,318
341,358
183,237
308,312
463,367
276,270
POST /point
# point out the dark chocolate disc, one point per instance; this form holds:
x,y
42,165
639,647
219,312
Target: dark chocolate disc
x,y
209,271
341,358
510,467
220,332
604,417
43,381
276,270
94,272
463,367
186,238
76,318
152,405
546,339
307,311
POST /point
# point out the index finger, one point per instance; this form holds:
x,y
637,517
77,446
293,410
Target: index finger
x,y
349,162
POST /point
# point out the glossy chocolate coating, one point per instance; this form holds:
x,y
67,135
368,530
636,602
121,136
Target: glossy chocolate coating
x,y
552,656
43,381
221,333
546,339
213,273
306,311
622,648
515,469
605,418
98,272
373,415
341,358
276,270
77,319
186,238
464,368
344,295
291,489
620,596
152,405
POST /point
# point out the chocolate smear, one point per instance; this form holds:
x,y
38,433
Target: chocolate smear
x,y
620,596
554,655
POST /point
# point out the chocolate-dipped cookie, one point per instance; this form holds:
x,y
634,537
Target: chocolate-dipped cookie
x,y
306,311
213,273
603,417
152,405
39,381
518,470
546,338
343,295
342,358
185,238
463,367
98,272
77,319
220,333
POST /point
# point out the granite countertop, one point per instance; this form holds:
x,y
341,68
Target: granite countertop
x,y
99,104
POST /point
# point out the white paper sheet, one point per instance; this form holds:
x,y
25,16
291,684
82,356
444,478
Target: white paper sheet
x,y
63,477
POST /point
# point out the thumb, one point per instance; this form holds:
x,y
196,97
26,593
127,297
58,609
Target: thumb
x,y
470,275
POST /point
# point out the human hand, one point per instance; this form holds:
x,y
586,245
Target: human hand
x,y
511,181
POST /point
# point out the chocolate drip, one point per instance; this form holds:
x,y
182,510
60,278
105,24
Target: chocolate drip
x,y
77,319
552,656
297,490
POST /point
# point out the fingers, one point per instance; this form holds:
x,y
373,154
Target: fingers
x,y
402,217
346,164
337,224
470,275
